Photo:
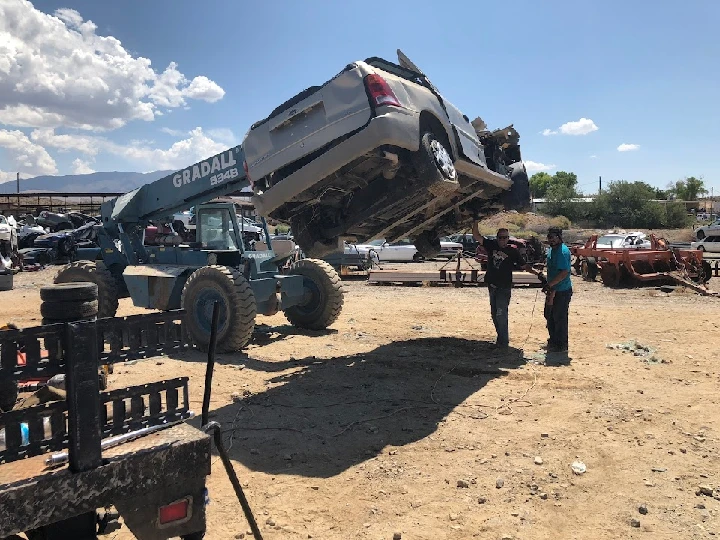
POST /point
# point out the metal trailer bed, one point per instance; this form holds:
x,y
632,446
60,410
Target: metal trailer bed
x,y
156,482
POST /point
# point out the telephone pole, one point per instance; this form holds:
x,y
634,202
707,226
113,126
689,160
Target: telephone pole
x,y
600,186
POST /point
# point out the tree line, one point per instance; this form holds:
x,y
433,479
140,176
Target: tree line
x,y
622,203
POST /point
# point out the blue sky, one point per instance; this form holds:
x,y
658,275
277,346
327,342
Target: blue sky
x,y
596,74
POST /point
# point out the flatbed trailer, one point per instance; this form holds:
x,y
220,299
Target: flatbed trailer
x,y
130,448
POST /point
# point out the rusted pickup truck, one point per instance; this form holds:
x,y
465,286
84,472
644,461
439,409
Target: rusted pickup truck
x,y
379,152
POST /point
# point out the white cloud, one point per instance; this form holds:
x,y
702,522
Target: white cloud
x,y
625,147
56,71
182,153
203,88
534,166
593,156
174,132
579,127
81,143
223,135
81,167
24,156
547,132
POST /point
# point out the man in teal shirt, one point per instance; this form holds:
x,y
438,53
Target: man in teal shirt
x,y
558,282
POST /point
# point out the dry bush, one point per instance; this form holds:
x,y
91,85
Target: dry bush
x,y
561,221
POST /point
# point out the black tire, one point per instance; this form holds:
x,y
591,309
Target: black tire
x,y
588,270
194,536
69,292
97,273
518,197
427,244
700,234
701,248
706,271
434,167
237,307
68,311
610,275
323,299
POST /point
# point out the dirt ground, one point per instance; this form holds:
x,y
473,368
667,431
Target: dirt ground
x,y
400,419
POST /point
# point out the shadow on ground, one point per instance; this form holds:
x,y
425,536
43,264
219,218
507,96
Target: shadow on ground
x,y
324,416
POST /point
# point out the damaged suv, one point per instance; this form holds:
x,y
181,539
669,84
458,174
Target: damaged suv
x,y
378,152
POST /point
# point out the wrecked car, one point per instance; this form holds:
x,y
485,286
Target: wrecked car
x,y
8,233
379,152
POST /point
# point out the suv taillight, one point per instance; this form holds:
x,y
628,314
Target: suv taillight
x,y
380,91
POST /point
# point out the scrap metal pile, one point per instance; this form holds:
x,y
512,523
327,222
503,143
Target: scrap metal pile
x,y
31,241
657,264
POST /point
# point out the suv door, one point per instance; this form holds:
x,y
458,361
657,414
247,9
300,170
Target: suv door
x,y
464,131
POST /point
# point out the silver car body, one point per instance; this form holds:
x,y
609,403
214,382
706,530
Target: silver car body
x,y
307,142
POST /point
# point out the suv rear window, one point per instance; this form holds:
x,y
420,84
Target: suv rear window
x,y
395,69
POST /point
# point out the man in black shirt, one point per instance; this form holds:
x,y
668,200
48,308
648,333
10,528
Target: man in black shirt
x,y
502,260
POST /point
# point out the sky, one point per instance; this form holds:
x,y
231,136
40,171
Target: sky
x,y
618,89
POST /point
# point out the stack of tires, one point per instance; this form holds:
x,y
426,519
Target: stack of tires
x,y
68,302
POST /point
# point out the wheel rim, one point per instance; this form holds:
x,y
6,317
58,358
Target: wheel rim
x,y
443,160
202,309
312,297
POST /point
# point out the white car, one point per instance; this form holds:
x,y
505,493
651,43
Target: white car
x,y
633,240
8,231
710,243
702,232
402,250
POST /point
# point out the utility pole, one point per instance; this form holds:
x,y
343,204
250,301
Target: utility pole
x,y
18,194
600,186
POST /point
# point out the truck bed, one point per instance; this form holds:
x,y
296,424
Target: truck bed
x,y
32,496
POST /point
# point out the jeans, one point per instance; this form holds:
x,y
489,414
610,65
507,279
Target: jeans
x,y
557,319
499,303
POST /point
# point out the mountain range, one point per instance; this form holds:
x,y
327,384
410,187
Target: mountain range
x,y
97,182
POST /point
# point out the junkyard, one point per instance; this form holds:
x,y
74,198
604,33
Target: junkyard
x,y
400,420
373,315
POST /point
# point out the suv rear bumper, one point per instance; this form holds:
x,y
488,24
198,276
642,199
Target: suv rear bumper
x,y
396,127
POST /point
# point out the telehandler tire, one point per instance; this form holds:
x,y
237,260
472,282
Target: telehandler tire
x,y
323,295
97,273
237,307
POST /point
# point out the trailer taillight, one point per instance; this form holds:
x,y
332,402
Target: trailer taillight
x,y
176,511
380,91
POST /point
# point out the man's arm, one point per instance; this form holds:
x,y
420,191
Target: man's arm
x,y
479,238
563,268
562,274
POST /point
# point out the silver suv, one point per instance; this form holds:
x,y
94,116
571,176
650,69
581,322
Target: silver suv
x,y
378,152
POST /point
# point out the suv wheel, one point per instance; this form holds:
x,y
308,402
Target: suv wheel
x,y
434,165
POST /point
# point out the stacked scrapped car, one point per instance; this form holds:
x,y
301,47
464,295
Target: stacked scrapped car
x,y
378,152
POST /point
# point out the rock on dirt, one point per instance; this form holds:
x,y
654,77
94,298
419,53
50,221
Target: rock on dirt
x,y
499,483
705,489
